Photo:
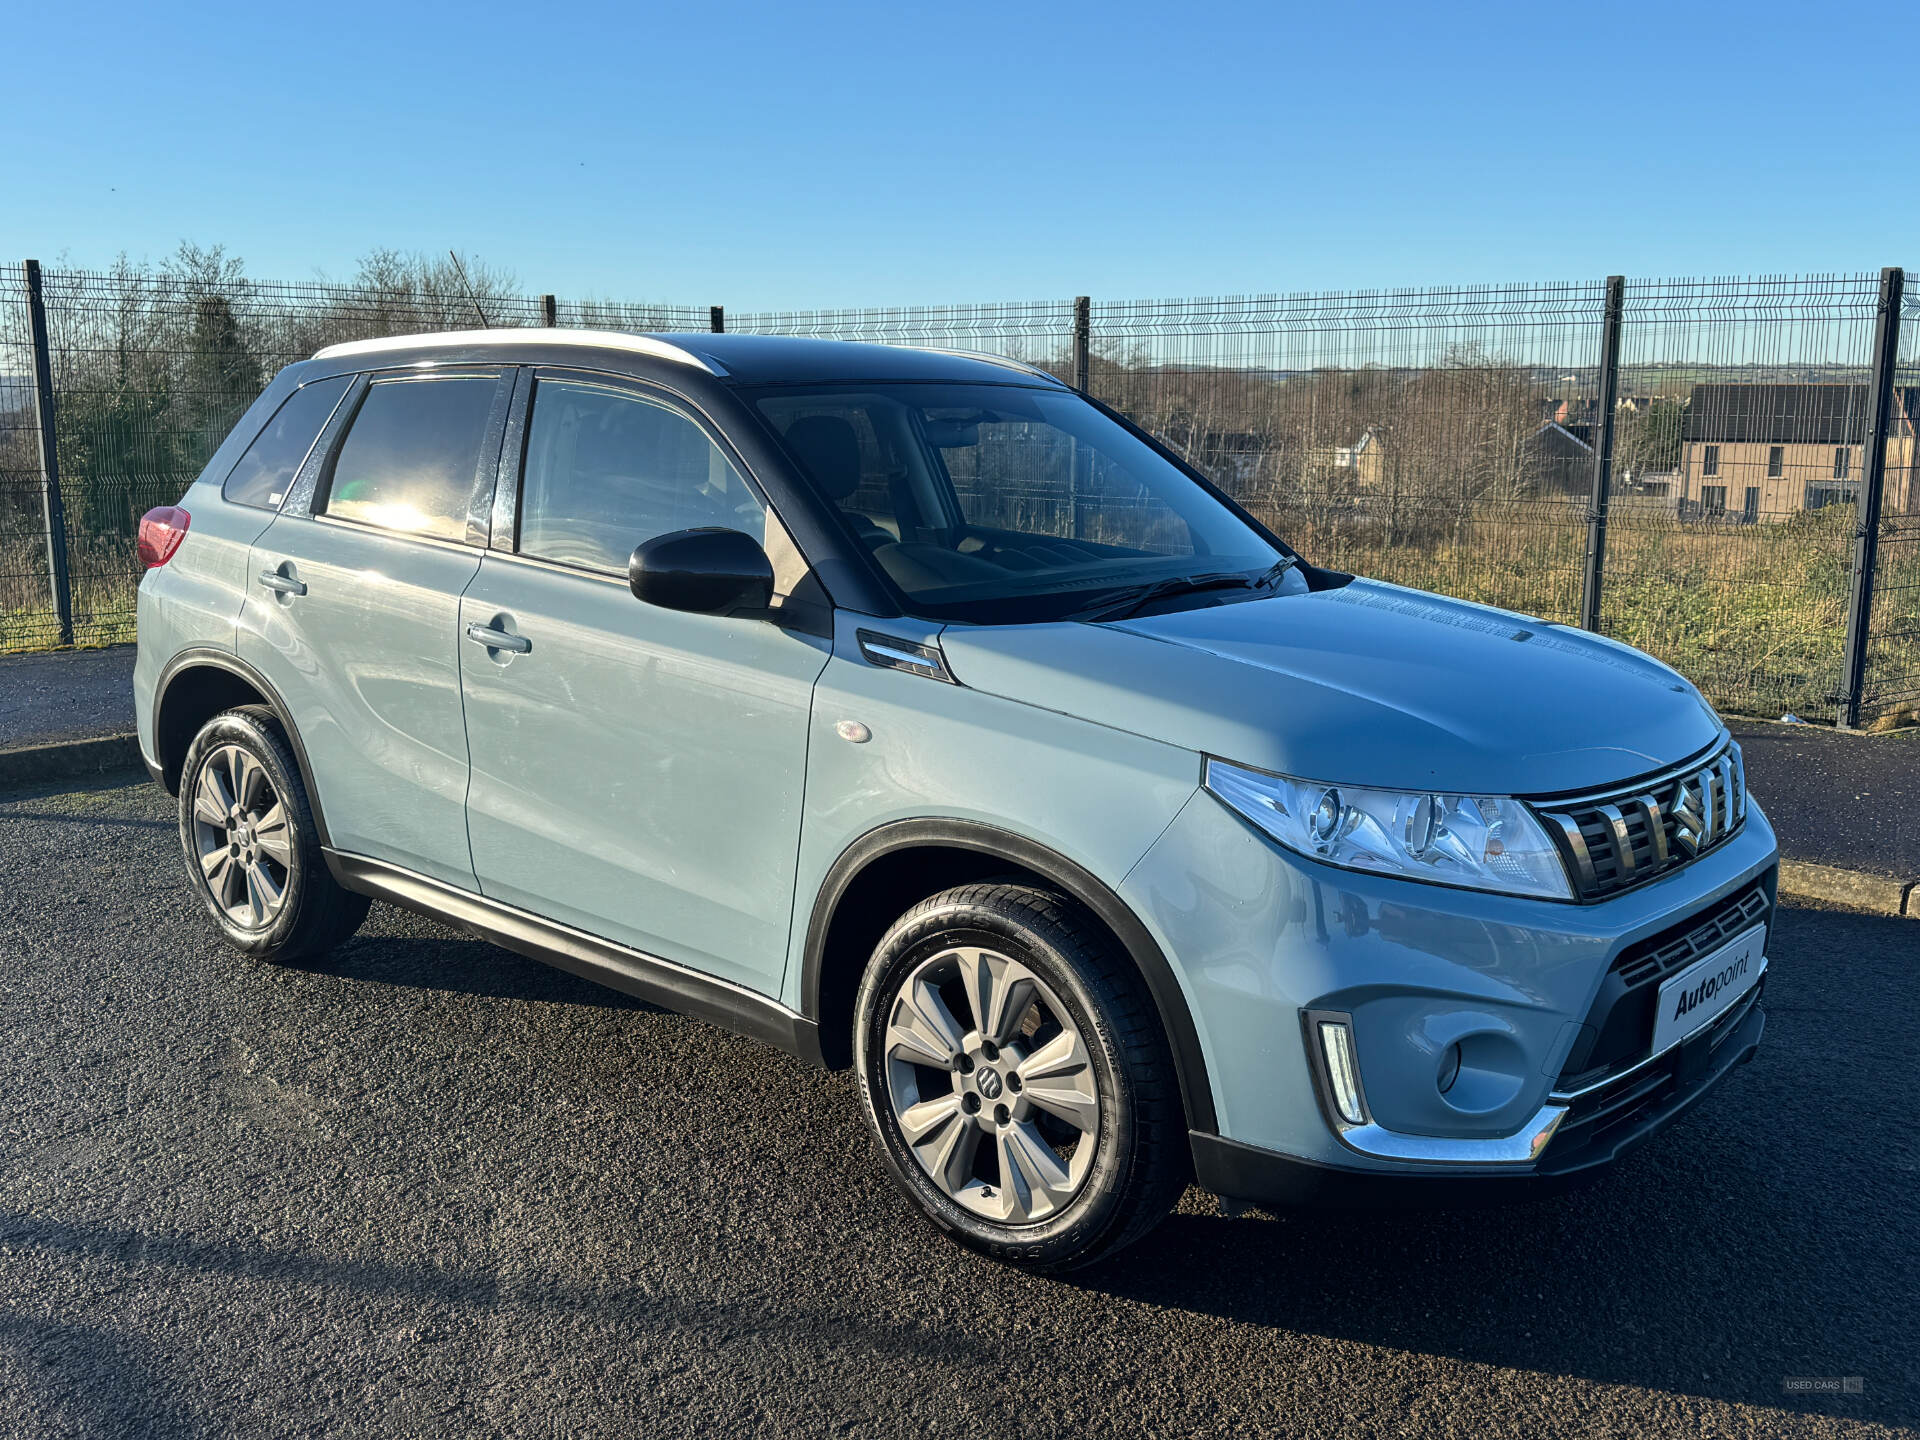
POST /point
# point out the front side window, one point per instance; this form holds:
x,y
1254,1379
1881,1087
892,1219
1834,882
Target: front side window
x,y
1842,461
607,468
1713,499
265,473
411,458
1009,503
1776,460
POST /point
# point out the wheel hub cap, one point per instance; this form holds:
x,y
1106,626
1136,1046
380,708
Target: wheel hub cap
x,y
992,1086
241,837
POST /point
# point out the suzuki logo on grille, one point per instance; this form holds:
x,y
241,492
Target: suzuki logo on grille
x,y
1693,811
1613,841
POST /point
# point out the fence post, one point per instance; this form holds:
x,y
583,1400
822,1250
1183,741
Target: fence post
x,y
717,318
549,311
1598,500
51,505
1866,530
1082,337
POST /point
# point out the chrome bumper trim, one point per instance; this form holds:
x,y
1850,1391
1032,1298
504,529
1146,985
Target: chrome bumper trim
x,y
1522,1147
1567,1097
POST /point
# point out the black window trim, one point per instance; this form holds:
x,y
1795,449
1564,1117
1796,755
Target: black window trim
x,y
319,435
316,479
510,487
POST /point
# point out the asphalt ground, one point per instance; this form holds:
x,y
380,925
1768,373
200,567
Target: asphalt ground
x,y
65,695
431,1188
1847,800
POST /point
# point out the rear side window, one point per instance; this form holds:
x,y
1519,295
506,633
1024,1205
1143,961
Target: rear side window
x,y
410,461
266,471
607,469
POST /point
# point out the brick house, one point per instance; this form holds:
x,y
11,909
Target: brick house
x,y
1766,452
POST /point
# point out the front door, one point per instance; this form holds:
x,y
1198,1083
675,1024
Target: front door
x,y
353,598
637,773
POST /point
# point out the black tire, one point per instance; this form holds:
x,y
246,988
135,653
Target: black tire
x,y
315,914
1141,1164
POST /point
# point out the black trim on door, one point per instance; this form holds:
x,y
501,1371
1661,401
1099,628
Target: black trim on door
x,y
1189,1063
657,981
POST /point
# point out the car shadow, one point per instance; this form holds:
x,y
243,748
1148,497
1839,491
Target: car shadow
x,y
462,966
1767,1234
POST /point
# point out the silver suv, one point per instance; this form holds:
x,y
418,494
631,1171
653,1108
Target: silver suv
x,y
914,713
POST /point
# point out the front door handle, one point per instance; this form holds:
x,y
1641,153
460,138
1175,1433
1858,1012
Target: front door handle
x,y
498,639
282,584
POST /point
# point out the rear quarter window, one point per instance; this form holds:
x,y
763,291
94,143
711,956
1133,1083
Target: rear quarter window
x,y
265,472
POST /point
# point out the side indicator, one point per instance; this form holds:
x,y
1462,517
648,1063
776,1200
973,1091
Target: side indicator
x,y
853,732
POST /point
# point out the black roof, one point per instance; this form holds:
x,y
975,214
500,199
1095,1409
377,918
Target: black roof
x,y
1790,414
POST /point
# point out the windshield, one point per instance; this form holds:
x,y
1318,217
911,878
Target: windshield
x,y
1002,503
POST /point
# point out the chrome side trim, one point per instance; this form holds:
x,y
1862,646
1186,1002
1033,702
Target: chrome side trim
x,y
892,653
531,335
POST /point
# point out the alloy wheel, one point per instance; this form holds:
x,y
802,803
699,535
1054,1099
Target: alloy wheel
x,y
991,1084
242,838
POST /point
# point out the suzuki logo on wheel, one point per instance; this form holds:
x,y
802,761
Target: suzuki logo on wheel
x,y
990,1084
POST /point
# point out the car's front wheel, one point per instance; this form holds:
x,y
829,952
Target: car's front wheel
x,y
1017,1078
252,848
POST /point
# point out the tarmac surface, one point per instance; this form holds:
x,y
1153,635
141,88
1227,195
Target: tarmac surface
x,y
431,1188
58,695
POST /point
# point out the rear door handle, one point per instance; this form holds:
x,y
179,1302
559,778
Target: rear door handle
x,y
498,639
282,584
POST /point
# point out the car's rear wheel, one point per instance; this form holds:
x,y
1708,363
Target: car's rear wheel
x,y
252,848
1017,1078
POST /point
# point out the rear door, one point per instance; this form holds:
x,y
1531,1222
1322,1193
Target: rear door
x,y
353,608
637,772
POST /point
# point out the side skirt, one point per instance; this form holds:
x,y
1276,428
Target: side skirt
x,y
659,982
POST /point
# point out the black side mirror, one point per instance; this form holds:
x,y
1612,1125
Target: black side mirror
x,y
709,571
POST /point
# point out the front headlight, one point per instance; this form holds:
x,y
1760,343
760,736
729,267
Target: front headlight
x,y
1477,841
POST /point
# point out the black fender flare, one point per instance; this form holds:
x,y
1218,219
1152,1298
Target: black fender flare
x,y
200,657
1196,1091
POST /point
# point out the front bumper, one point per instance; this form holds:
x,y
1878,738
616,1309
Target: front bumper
x,y
1597,1130
1259,937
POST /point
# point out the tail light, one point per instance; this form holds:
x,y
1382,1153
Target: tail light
x,y
161,531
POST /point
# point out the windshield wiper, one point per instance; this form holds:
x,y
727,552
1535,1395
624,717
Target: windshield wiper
x,y
1132,601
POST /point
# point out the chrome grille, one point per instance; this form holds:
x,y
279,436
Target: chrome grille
x,y
1615,839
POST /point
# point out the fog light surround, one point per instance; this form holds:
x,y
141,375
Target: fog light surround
x,y
1330,1040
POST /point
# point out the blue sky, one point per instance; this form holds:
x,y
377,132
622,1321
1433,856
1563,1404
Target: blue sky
x,y
771,156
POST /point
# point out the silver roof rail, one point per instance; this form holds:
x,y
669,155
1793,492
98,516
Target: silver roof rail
x,y
531,335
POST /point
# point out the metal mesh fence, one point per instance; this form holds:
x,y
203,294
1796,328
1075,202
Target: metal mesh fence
x,y
1420,436
26,599
1893,646
1441,438
1038,332
1738,449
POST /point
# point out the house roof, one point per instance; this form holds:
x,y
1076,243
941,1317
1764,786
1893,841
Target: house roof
x,y
1790,414
1564,440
